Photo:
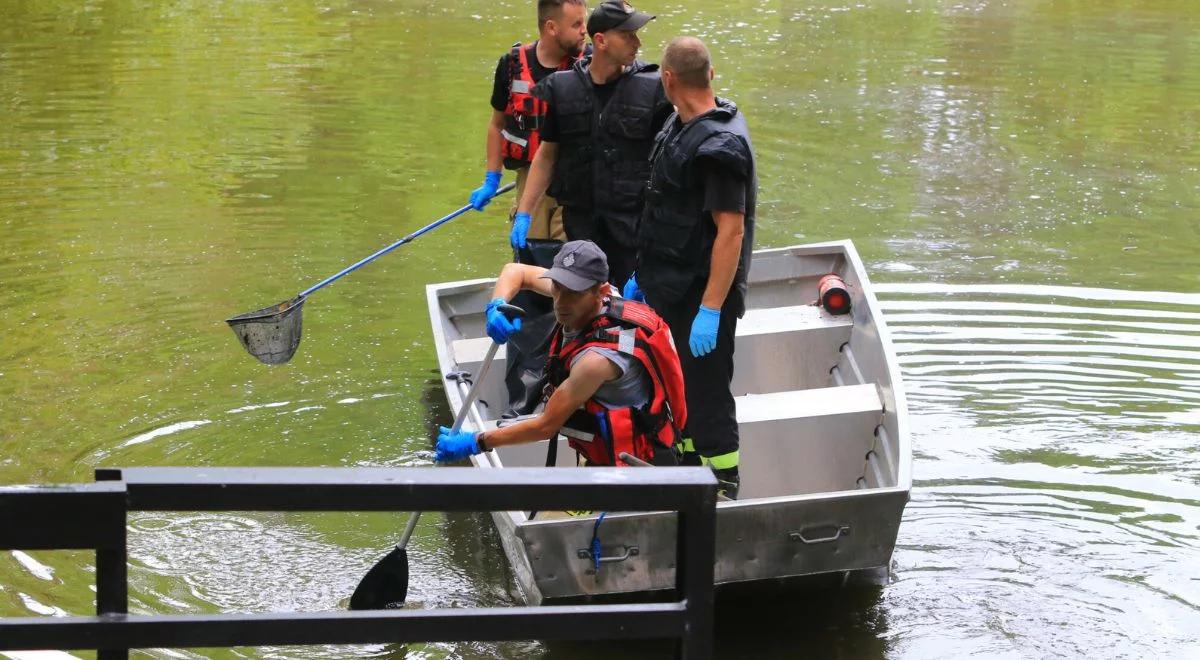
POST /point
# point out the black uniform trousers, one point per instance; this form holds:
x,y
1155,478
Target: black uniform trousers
x,y
712,418
621,255
528,350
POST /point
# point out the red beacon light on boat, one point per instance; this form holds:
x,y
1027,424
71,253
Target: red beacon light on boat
x,y
834,296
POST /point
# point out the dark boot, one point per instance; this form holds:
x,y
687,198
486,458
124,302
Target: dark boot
x,y
728,482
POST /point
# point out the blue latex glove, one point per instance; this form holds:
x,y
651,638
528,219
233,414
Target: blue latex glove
x,y
704,331
452,446
483,194
499,327
520,230
631,290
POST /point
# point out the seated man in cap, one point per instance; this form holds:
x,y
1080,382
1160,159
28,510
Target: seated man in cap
x,y
615,381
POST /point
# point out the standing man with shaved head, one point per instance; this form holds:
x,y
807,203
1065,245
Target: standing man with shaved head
x,y
694,247
596,139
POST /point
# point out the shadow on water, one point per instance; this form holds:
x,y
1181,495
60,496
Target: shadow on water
x,y
817,617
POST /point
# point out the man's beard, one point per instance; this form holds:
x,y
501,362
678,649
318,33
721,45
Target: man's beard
x,y
571,48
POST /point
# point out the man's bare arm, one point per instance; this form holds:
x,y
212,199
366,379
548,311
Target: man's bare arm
x,y
495,142
515,277
587,375
726,253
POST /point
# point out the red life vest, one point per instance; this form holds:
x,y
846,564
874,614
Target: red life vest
x,y
634,329
523,115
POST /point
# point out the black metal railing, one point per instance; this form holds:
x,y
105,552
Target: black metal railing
x,y
93,516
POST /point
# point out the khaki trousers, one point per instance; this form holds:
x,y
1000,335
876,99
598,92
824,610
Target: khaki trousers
x,y
546,217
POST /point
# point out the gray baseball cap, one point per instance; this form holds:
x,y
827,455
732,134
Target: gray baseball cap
x,y
579,265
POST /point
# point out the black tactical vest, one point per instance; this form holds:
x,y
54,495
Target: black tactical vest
x,y
676,236
603,153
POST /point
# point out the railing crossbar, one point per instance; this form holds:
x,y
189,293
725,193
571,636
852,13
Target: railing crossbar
x,y
94,516
644,621
369,489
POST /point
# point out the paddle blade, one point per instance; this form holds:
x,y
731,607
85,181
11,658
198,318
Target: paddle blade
x,y
385,586
271,334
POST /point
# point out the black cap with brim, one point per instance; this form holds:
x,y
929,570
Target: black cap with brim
x,y
616,15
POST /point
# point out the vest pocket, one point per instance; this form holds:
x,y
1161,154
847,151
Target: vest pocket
x,y
574,124
628,186
669,233
629,121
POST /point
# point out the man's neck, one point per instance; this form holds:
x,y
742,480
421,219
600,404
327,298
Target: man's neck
x,y
549,55
694,102
588,323
604,70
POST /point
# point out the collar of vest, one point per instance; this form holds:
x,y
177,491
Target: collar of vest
x,y
724,111
584,63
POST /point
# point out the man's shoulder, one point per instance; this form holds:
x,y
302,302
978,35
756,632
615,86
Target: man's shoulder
x,y
506,58
722,140
597,362
728,151
555,81
644,69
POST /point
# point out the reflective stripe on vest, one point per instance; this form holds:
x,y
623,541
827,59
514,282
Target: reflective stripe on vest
x,y
512,138
524,112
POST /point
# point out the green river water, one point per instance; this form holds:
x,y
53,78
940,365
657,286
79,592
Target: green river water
x,y
1021,177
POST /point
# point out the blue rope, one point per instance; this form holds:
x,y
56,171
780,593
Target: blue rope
x,y
596,541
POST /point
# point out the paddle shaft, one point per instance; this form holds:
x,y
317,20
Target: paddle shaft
x,y
458,422
433,225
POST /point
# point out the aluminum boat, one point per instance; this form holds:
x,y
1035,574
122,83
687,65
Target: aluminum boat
x,y
825,456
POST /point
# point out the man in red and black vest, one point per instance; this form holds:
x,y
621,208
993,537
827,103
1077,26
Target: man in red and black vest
x,y
513,132
615,380
513,137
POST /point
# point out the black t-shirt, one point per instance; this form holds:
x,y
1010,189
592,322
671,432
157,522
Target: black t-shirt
x,y
724,188
604,93
503,81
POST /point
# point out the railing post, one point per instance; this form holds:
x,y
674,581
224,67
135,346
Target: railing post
x,y
112,572
696,554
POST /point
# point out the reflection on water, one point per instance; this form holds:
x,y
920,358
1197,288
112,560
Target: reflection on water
x,y
1056,475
